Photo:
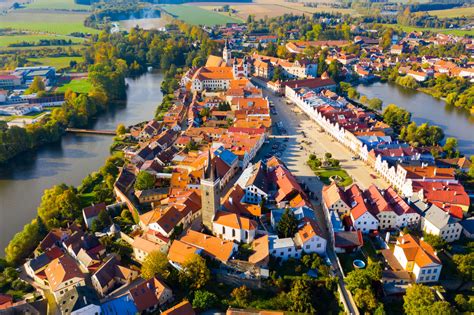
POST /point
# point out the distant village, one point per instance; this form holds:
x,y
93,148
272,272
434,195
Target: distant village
x,y
221,181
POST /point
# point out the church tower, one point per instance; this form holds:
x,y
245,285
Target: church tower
x,y
210,193
226,54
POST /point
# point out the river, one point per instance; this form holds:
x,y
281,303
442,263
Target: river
x,y
425,108
23,181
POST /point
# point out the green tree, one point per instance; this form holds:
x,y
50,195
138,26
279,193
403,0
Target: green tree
x,y
36,86
450,147
363,99
195,274
441,308
396,117
144,181
300,297
204,300
418,300
465,265
101,222
156,263
365,300
241,296
437,242
288,225
121,130
59,205
375,104
463,303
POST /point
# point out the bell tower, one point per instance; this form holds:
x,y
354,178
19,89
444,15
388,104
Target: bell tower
x,y
210,193
226,54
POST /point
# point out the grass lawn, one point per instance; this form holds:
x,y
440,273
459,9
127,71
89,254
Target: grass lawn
x,y
57,62
197,16
326,173
87,199
6,40
348,259
47,22
369,249
56,5
78,86
437,30
455,12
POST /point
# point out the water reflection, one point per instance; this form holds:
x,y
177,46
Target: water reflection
x,y
425,108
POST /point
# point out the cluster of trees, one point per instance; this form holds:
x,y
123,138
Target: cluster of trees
x,y
423,19
407,81
10,283
396,117
420,299
314,162
422,135
144,181
288,225
360,283
44,42
456,91
373,103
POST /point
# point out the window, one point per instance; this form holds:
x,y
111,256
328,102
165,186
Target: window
x,y
433,277
318,245
233,232
423,271
428,271
307,246
421,278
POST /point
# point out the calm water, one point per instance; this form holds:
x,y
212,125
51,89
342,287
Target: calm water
x,y
23,181
425,108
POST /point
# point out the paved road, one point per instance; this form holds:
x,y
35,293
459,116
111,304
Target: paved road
x,y
295,156
295,121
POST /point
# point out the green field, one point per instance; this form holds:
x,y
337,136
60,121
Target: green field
x,y
78,86
6,40
450,13
436,30
57,62
197,16
56,5
46,22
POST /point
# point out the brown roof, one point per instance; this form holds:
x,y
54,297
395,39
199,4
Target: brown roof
x,y
145,245
148,293
261,251
183,308
62,269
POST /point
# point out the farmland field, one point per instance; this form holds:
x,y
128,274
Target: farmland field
x,y
6,40
195,15
450,13
56,5
57,62
47,22
270,8
437,30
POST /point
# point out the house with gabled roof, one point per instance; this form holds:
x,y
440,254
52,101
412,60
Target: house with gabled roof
x,y
150,295
111,275
180,252
92,212
334,199
418,257
79,300
234,227
211,246
62,275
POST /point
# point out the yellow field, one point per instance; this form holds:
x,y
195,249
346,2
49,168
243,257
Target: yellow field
x,y
450,13
270,8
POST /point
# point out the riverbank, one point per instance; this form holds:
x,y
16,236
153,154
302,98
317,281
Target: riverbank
x,y
426,109
24,179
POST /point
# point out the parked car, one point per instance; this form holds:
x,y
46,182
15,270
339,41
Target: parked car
x,y
373,176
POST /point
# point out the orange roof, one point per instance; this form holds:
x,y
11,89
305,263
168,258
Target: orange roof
x,y
308,231
417,250
62,269
211,245
235,221
147,294
179,251
332,194
214,73
183,308
434,172
261,250
145,245
215,61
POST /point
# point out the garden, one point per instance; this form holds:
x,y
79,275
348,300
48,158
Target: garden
x,y
329,170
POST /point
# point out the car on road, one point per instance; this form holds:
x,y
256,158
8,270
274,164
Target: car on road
x,y
373,176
